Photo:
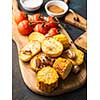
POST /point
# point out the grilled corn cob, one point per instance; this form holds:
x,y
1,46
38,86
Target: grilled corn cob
x,y
63,67
63,39
47,79
79,57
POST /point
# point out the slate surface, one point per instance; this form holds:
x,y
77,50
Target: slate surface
x,y
19,90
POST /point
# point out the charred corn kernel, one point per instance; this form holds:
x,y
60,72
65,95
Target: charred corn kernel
x,y
36,36
79,57
63,67
47,79
52,47
63,39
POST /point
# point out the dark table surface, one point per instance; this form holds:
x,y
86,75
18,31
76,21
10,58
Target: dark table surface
x,y
19,89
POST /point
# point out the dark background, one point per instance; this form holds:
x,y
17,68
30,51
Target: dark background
x,y
20,91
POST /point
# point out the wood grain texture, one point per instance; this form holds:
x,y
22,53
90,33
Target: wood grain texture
x,y
71,83
81,42
82,23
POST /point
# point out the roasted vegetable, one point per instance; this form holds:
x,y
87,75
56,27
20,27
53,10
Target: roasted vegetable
x,y
52,47
24,27
25,53
31,49
36,36
63,39
47,79
76,56
70,54
76,69
19,16
79,56
63,67
41,60
36,64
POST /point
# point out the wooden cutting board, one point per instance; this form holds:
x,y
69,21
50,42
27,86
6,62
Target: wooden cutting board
x,y
81,42
79,23
71,83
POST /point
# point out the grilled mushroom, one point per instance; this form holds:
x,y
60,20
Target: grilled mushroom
x,y
47,60
70,54
76,69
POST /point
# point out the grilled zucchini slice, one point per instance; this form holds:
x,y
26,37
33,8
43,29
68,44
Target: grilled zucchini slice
x,y
31,49
52,47
36,36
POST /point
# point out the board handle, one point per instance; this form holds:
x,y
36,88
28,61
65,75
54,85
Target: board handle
x,y
66,1
15,5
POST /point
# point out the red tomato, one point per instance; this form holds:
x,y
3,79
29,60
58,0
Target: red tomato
x,y
41,28
33,24
52,32
35,17
19,16
24,27
50,19
52,24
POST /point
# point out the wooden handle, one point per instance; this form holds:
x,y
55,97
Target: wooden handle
x,y
66,1
15,5
77,20
74,14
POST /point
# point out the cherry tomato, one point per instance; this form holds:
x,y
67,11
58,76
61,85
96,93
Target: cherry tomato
x,y
33,24
52,32
52,24
50,19
41,28
19,16
24,27
35,17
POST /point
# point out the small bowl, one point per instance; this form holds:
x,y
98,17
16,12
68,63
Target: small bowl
x,y
31,5
57,3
